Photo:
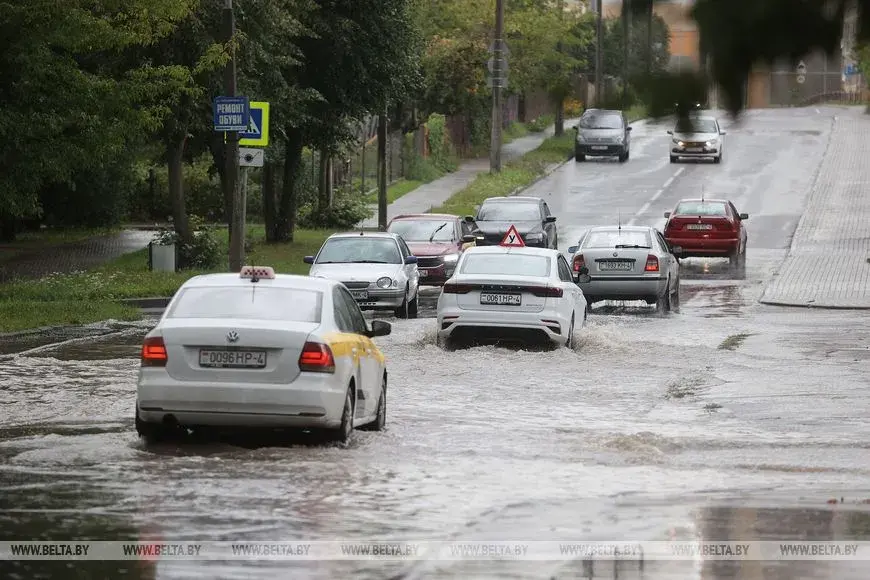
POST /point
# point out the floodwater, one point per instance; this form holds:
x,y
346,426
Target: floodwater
x,y
726,421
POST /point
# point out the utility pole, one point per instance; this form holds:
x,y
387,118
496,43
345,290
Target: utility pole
x,y
599,54
497,81
382,171
649,37
231,152
626,32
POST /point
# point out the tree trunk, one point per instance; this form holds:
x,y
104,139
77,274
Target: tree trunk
x,y
324,182
382,172
286,226
270,203
175,155
560,117
420,141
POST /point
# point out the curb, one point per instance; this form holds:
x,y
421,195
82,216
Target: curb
x,y
818,306
155,302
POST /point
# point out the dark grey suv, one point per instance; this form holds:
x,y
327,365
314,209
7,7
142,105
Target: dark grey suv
x,y
603,133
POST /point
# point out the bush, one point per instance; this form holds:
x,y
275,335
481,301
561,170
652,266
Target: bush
x,y
348,209
573,108
541,123
203,252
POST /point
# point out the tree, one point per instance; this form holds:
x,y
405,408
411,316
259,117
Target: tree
x,y
58,90
357,56
614,43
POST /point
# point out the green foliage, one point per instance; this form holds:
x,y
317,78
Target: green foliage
x,y
348,209
17,315
514,131
541,123
638,48
441,150
204,251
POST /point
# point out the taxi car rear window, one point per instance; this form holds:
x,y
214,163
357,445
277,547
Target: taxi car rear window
x,y
249,302
701,208
506,264
612,238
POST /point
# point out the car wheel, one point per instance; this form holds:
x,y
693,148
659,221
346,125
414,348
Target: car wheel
x,y
674,158
570,342
579,157
734,259
589,302
381,420
345,430
155,432
412,306
663,302
675,297
402,311
623,158
717,159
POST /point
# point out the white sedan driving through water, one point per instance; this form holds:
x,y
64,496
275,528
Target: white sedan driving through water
x,y
260,350
511,294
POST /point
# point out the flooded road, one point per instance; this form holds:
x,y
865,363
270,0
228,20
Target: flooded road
x,y
727,420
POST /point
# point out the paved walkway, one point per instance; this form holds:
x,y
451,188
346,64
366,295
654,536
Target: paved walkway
x,y
828,265
72,257
435,193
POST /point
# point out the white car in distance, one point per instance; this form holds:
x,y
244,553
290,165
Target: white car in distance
x,y
260,350
507,294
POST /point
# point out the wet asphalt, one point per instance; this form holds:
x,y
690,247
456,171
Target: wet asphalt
x,y
729,420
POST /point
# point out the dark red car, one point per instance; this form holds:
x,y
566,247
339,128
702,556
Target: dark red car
x,y
708,228
437,240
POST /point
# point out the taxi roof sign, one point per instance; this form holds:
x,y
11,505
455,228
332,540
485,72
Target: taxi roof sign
x,y
512,239
256,273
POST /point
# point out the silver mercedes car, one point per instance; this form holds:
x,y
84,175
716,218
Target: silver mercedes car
x,y
627,263
697,137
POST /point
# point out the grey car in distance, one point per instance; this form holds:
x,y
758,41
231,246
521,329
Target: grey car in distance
x,y
697,137
603,133
628,263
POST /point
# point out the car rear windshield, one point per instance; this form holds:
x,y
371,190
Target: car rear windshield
x,y
248,302
509,211
506,264
701,208
601,121
613,238
362,249
424,230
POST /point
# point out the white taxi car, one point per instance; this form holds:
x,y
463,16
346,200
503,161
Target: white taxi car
x,y
511,293
261,350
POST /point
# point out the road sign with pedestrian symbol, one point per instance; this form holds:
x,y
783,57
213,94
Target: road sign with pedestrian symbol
x,y
257,133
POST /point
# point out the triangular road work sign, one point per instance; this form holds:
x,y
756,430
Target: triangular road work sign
x,y
512,239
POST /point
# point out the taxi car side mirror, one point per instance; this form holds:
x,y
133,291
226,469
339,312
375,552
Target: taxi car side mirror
x,y
411,260
308,259
582,276
722,133
550,219
469,219
379,328
677,251
628,128
573,249
667,214
670,132
744,216
469,239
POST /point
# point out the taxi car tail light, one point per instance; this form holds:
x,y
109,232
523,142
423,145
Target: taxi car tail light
x,y
154,352
652,264
316,357
549,292
579,262
457,288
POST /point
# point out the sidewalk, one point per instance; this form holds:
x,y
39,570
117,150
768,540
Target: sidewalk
x,y
435,193
828,265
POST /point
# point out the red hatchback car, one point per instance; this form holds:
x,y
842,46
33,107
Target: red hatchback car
x,y
437,240
708,228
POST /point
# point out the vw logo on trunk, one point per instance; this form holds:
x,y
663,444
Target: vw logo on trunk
x,y
615,254
232,336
